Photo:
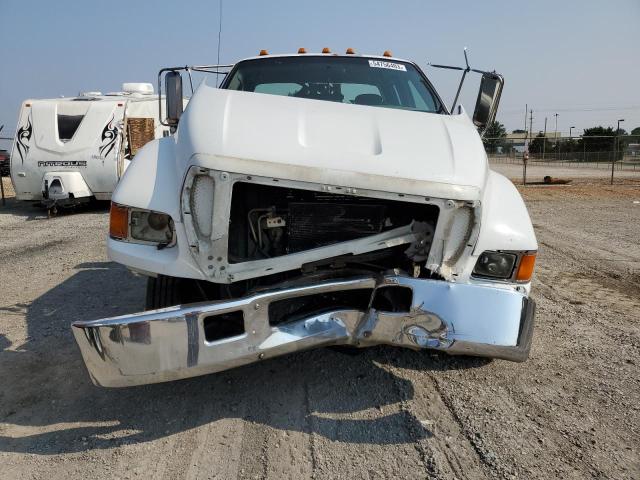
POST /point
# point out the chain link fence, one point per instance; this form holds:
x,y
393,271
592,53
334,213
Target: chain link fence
x,y
620,152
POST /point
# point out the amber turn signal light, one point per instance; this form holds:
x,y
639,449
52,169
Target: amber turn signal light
x,y
118,221
525,269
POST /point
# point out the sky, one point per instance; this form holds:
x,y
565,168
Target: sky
x,y
580,59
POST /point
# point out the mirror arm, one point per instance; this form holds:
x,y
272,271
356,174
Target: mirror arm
x,y
464,70
455,100
188,69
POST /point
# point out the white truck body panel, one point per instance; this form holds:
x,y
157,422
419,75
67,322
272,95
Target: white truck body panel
x,y
268,135
325,142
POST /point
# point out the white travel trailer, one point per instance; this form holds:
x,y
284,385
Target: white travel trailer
x,y
69,150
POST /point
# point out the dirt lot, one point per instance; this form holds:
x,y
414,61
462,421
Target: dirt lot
x,y
571,411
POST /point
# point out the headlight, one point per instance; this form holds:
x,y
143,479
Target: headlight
x,y
514,266
140,226
495,265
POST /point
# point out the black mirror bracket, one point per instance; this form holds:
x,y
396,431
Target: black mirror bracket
x,y
174,96
482,94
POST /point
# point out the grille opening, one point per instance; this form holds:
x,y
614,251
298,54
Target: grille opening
x,y
269,221
224,325
393,299
292,309
67,126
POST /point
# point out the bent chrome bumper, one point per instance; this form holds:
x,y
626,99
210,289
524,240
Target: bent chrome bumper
x,y
171,343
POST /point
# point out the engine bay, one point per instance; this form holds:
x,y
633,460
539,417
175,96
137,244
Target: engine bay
x,y
271,221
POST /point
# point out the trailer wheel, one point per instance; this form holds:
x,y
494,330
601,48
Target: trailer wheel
x,y
162,291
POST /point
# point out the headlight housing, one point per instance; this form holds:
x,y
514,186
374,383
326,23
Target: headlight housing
x,y
495,265
137,225
506,266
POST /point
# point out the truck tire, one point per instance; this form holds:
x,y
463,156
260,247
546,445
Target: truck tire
x,y
162,291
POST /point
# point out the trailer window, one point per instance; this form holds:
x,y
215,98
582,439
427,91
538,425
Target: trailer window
x,y
356,80
67,126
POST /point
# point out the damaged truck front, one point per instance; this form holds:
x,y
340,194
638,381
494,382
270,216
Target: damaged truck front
x,y
314,200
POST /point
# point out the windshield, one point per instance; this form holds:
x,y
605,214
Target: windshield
x,y
357,80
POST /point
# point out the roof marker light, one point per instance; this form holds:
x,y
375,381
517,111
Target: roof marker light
x,y
350,51
326,50
263,53
387,53
302,50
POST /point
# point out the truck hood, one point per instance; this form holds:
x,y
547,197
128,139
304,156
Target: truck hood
x,y
331,143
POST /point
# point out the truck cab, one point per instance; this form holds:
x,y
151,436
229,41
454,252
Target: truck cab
x,y
312,200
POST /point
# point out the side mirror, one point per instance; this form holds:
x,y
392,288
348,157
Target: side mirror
x,y
173,85
488,99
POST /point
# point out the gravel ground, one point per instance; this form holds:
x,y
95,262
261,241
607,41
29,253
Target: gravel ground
x,y
571,411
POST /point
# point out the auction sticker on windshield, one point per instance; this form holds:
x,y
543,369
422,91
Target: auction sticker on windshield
x,y
390,65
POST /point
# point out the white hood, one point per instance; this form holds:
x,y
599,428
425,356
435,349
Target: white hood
x,y
332,143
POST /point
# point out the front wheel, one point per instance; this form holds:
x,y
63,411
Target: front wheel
x,y
164,291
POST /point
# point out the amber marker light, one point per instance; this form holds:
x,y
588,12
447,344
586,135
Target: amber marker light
x,y
387,53
118,221
263,53
525,269
326,50
350,51
302,50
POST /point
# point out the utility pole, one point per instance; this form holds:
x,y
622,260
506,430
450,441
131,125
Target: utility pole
x,y
525,146
615,148
544,139
525,155
556,137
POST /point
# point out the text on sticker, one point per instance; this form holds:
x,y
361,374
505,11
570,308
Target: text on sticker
x,y
383,64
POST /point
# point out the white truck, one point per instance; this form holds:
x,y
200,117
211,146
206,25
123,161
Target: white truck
x,y
314,200
70,150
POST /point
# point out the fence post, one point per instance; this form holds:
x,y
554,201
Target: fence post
x,y
613,159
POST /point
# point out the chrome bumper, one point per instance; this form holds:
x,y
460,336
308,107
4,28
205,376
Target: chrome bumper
x,y
170,343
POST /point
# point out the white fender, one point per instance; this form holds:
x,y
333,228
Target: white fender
x,y
505,223
153,182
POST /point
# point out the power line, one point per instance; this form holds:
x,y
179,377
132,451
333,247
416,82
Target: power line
x,y
594,109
